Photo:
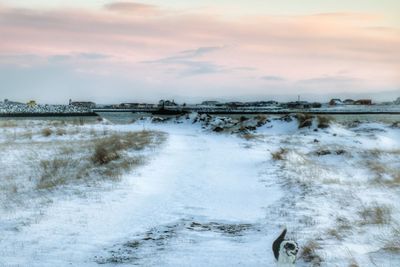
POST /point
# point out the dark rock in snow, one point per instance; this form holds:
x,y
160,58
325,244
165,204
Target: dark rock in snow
x,y
218,129
286,118
323,152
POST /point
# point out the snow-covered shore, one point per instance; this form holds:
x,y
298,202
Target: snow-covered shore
x,y
208,197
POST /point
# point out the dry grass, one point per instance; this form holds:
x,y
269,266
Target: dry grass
x,y
343,224
335,233
324,121
384,174
46,132
61,132
54,172
309,253
58,123
341,228
250,136
353,263
375,214
304,119
392,241
107,157
115,169
261,119
79,121
331,181
8,124
103,155
28,134
280,154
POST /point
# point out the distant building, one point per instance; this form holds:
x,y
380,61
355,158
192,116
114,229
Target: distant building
x,y
127,105
144,105
210,103
300,104
83,104
316,105
335,102
348,102
167,103
363,102
235,104
6,101
270,103
261,103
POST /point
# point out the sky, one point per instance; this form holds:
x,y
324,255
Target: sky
x,y
192,50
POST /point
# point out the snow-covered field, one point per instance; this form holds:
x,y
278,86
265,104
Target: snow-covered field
x,y
212,192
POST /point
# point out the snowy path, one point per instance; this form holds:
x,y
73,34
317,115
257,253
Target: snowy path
x,y
200,200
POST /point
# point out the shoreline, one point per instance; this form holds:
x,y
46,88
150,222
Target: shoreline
x,y
219,112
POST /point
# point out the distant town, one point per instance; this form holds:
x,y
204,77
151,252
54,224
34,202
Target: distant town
x,y
170,107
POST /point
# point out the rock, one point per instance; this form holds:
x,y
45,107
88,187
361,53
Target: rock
x,y
340,152
324,152
157,119
286,118
251,128
218,129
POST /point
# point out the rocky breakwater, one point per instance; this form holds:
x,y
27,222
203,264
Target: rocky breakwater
x,y
19,109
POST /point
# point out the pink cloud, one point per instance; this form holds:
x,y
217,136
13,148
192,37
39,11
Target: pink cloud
x,y
131,8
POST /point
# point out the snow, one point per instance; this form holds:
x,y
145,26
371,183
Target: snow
x,y
215,199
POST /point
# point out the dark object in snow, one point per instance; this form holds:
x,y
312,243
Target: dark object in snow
x,y
324,152
218,129
277,244
340,152
286,118
316,141
285,251
158,119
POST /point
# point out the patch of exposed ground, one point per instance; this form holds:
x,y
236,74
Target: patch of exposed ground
x,y
156,240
